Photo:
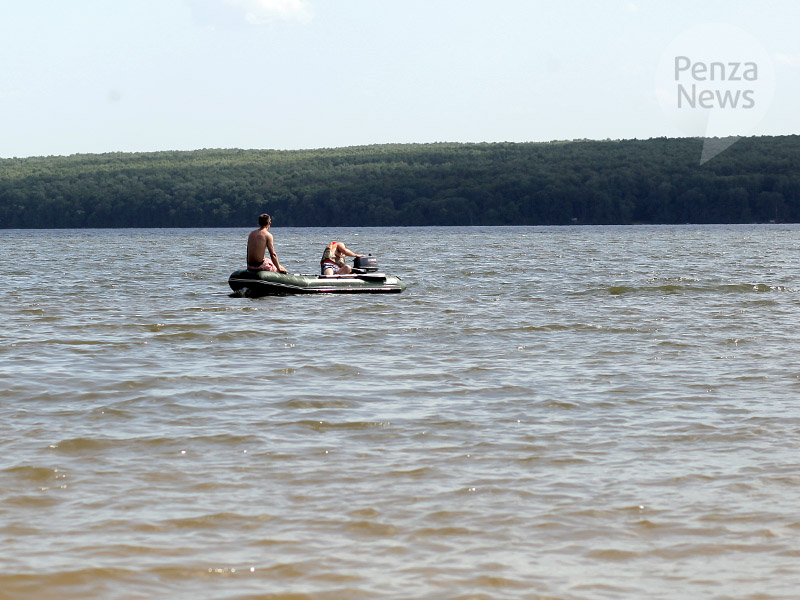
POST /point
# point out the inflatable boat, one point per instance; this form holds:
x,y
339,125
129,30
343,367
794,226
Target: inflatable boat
x,y
363,280
268,283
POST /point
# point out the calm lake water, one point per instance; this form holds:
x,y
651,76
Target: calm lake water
x,y
570,413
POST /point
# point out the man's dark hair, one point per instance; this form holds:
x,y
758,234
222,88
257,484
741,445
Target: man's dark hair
x,y
264,220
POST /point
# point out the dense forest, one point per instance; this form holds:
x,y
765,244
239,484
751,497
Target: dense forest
x,y
582,181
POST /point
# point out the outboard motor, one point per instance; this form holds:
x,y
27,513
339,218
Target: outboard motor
x,y
365,264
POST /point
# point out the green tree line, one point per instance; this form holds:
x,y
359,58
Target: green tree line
x,y
553,183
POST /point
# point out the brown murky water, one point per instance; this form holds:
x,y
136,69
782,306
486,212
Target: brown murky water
x,y
562,413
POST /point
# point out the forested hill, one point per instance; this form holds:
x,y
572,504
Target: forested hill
x,y
587,182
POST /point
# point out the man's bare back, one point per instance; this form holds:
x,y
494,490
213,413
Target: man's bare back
x,y
259,243
257,246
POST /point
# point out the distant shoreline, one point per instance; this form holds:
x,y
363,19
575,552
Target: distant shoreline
x,y
582,182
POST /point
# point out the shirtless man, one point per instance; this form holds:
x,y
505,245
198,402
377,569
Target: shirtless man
x,y
258,243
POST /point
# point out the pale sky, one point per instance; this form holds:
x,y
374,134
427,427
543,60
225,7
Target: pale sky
x,y
91,76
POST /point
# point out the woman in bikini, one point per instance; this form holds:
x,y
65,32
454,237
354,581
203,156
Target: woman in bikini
x,y
333,259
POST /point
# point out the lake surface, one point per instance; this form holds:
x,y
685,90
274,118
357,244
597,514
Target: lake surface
x,y
571,413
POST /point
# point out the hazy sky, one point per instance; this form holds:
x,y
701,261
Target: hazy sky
x,y
142,75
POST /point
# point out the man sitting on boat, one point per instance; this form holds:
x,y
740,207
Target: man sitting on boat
x,y
258,243
333,259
